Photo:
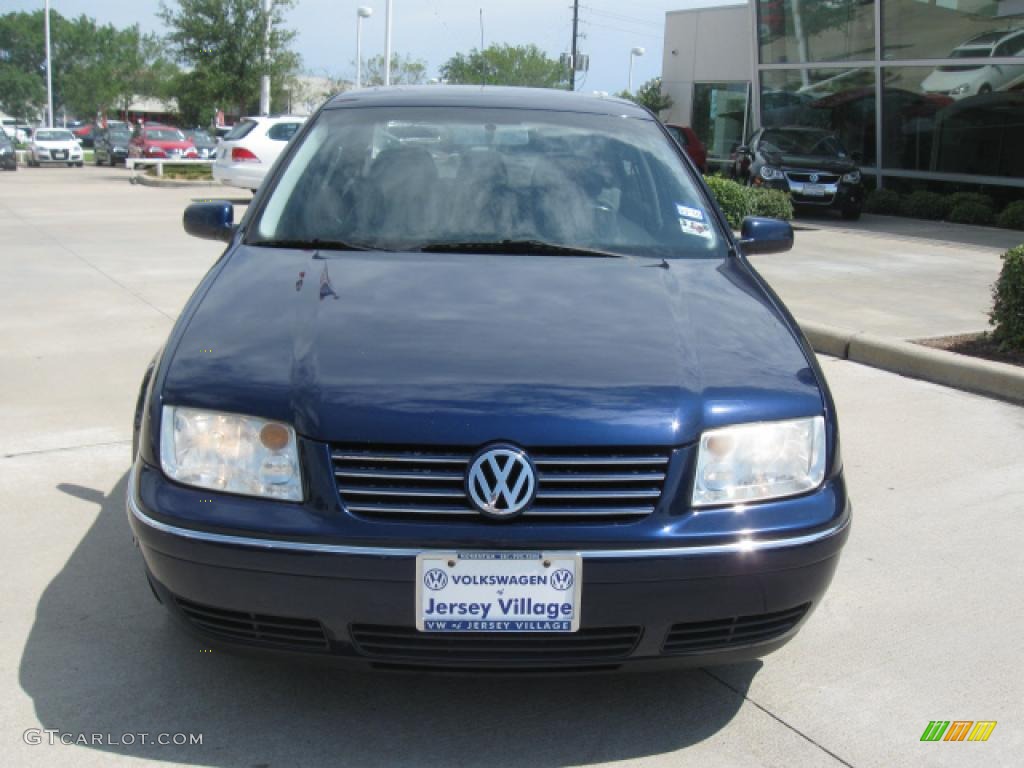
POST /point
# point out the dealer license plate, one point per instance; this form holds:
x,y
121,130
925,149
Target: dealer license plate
x,y
498,592
814,190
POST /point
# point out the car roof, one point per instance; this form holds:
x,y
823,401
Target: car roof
x,y
990,38
487,96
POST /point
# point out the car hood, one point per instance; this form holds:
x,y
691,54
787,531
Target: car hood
x,y
947,80
812,162
468,349
57,144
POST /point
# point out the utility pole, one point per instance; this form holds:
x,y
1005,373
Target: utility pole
x,y
265,80
49,79
575,34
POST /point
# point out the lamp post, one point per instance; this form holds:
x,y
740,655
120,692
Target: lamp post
x,y
387,43
265,80
361,13
49,81
637,51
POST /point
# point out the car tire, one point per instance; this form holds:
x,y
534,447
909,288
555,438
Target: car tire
x,y
851,214
986,88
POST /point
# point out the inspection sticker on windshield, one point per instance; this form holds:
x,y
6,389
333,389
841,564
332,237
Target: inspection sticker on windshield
x,y
690,213
698,228
498,592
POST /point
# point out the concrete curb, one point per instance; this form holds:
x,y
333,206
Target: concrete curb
x,y
983,377
152,181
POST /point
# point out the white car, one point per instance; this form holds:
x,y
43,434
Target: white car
x,y
960,80
54,145
247,153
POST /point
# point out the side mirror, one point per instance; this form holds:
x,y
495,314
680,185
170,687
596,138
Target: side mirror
x,y
211,221
759,235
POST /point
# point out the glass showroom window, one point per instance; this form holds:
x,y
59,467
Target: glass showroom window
x,y
807,31
720,116
839,100
953,29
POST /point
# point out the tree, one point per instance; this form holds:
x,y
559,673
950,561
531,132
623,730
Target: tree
x,y
405,70
650,95
220,42
523,65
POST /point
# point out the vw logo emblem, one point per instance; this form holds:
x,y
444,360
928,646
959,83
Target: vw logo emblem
x,y
561,579
435,579
814,178
501,482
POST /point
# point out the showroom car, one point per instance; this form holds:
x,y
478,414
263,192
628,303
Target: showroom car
x,y
54,146
961,80
810,164
512,399
247,152
8,158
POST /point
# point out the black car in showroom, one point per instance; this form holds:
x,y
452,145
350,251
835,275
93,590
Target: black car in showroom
x,y
111,144
810,164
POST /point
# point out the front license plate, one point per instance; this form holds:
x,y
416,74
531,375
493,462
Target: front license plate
x,y
59,155
814,190
498,592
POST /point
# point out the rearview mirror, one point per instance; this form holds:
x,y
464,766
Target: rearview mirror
x,y
759,235
213,220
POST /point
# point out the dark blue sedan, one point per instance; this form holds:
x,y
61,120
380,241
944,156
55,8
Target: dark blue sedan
x,y
484,380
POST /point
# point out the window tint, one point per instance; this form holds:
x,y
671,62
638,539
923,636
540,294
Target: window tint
x,y
240,131
282,131
408,178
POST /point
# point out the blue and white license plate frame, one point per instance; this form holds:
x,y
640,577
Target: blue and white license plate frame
x,y
514,584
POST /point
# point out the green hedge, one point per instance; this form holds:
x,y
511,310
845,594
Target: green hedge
x,y
1008,302
883,201
738,201
1012,216
971,212
926,205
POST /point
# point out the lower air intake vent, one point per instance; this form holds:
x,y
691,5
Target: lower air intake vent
x,y
725,633
277,631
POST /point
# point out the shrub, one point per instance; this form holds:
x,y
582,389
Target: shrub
x,y
959,198
1012,216
925,205
732,197
769,202
1008,302
971,213
883,201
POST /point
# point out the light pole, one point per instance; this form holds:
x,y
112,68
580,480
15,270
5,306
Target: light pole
x,y
637,51
265,80
362,13
49,81
387,43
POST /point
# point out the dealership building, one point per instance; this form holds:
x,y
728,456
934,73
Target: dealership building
x,y
921,91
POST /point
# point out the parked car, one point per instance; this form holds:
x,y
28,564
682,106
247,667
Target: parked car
x,y
15,130
8,159
691,143
205,144
960,80
152,140
85,133
534,409
246,154
54,145
111,144
809,163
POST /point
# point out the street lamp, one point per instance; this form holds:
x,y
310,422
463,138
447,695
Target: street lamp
x,y
361,13
49,81
387,43
637,51
265,80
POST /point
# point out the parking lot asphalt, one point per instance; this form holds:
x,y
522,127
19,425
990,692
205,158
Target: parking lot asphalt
x,y
923,621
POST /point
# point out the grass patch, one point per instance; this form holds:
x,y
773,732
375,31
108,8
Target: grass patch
x,y
185,172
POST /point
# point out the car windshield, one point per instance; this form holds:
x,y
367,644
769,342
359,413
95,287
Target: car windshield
x,y
203,139
488,181
119,135
54,136
165,134
802,143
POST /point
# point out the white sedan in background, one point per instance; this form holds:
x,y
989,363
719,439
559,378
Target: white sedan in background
x,y
247,153
54,145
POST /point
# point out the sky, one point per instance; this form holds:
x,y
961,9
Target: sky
x,y
434,30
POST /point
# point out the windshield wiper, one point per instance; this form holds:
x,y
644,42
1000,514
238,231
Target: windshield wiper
x,y
517,246
317,244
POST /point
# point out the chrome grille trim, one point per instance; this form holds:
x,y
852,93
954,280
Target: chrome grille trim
x,y
571,483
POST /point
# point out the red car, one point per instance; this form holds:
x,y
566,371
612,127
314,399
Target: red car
x,y
161,141
694,147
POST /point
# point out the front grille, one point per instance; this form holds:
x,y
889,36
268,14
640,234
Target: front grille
x,y
277,631
571,483
805,177
721,634
408,644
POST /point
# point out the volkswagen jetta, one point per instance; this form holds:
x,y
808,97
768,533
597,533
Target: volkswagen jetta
x,y
483,379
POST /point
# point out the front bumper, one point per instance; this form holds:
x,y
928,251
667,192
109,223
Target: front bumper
x,y
838,196
678,606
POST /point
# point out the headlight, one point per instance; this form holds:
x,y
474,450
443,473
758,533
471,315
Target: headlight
x,y
960,90
226,452
768,173
754,462
853,177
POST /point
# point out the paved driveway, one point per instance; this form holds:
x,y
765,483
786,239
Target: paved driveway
x,y
923,621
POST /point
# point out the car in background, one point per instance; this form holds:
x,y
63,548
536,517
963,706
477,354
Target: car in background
x,y
691,143
85,133
111,144
960,80
157,141
519,403
204,143
810,164
50,146
8,159
15,130
247,153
